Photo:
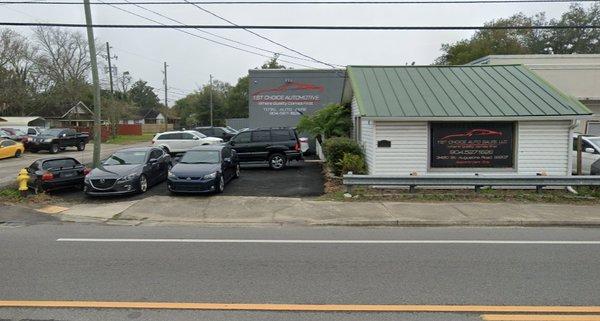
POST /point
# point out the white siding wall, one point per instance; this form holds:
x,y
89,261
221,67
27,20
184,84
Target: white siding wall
x,y
367,141
409,148
543,146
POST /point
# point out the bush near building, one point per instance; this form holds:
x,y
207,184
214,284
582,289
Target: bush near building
x,y
335,148
352,163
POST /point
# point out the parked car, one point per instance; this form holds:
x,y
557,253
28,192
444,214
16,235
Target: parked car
x,y
181,141
55,173
17,135
128,171
57,139
10,148
204,169
31,131
219,132
4,134
276,146
590,153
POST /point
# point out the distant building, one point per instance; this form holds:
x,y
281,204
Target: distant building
x,y
78,115
29,121
576,75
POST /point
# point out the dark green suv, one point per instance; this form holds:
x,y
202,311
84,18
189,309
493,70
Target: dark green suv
x,y
276,146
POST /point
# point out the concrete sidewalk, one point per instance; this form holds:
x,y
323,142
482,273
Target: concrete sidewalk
x,y
225,210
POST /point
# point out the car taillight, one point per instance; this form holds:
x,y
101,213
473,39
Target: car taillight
x,y
86,171
297,146
47,176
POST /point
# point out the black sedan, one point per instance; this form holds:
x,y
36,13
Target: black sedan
x,y
54,173
131,170
204,169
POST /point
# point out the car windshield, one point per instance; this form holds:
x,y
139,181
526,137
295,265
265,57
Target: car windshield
x,y
18,132
230,130
52,132
201,157
126,158
595,141
199,134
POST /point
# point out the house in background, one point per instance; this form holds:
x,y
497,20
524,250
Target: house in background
x,y
28,121
152,116
577,75
78,115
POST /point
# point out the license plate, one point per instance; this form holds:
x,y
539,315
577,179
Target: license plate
x,y
68,174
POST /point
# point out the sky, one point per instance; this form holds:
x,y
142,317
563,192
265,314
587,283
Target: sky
x,y
191,60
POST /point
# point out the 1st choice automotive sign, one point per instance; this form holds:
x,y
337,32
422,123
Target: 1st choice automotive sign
x,y
283,96
472,145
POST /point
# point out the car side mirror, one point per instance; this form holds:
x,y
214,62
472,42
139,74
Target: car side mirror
x,y
590,150
196,138
152,161
232,143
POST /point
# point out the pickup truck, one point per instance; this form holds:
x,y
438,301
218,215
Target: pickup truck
x,y
57,139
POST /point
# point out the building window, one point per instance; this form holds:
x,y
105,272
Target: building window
x,y
472,145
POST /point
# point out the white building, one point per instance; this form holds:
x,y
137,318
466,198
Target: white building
x,y
576,75
461,119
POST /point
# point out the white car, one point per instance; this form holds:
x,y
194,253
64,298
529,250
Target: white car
x,y
590,153
182,141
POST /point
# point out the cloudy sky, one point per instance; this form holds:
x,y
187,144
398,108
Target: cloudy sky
x,y
191,60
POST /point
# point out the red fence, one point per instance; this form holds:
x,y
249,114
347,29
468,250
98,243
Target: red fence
x,y
105,133
129,129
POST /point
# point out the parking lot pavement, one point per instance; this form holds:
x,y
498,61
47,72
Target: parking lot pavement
x,y
10,167
299,179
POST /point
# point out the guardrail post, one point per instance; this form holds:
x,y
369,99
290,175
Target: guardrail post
x,y
477,188
412,188
538,189
349,188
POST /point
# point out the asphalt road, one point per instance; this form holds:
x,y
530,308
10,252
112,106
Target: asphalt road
x,y
10,167
35,266
299,179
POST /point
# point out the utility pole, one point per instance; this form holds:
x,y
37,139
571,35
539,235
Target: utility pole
x,y
96,82
166,101
211,101
110,72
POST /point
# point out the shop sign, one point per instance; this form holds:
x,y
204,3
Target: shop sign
x,y
472,145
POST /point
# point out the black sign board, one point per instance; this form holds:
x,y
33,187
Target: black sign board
x,y
472,145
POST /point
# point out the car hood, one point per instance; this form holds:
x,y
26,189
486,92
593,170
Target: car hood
x,y
115,171
194,170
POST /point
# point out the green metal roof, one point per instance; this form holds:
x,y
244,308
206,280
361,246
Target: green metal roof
x,y
457,91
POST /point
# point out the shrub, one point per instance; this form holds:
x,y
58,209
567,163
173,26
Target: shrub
x,y
352,163
334,149
333,120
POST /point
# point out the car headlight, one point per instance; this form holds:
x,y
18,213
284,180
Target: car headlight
x,y
210,176
171,175
48,140
129,177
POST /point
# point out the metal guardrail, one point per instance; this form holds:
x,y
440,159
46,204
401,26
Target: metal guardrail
x,y
477,181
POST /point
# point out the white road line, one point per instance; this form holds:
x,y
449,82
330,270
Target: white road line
x,y
117,240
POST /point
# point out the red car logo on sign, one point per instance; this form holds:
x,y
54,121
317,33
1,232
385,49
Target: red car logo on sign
x,y
290,86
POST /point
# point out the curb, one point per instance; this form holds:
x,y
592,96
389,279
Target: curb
x,y
464,223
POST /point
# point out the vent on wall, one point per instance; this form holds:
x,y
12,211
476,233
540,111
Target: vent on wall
x,y
384,143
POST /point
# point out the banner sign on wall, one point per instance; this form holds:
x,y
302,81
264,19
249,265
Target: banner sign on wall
x,y
472,145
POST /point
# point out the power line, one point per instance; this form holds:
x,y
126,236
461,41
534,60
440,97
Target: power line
x,y
298,2
291,27
181,27
261,36
216,35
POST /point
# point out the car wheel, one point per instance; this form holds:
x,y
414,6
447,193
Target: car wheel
x,y
81,146
18,153
143,184
54,149
277,161
237,171
220,184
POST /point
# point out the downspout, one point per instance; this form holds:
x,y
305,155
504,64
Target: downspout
x,y
574,124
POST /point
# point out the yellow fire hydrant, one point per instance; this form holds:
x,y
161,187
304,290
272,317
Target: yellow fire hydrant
x,y
22,180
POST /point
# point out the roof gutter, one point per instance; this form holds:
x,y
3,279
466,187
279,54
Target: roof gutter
x,y
475,119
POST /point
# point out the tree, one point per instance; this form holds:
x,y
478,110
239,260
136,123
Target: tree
x,y
143,96
194,109
237,99
273,64
333,120
529,41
